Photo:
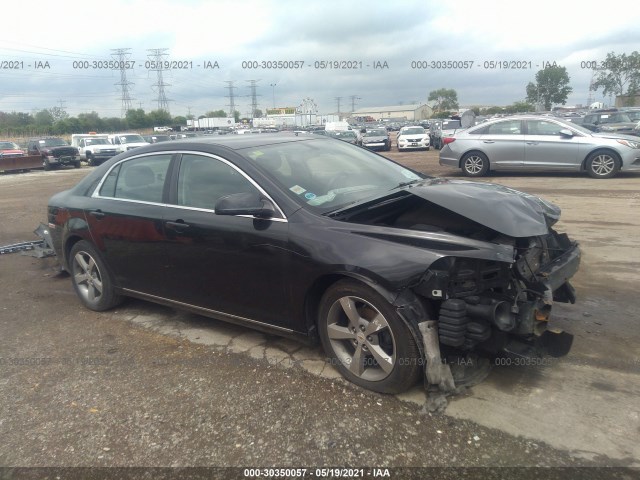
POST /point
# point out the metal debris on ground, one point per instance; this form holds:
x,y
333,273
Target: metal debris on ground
x,y
36,248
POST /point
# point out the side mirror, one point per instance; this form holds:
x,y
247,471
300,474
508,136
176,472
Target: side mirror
x,y
245,204
565,132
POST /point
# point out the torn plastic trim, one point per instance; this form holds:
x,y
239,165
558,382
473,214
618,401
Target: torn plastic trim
x,y
562,268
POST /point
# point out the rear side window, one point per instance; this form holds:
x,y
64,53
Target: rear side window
x,y
509,127
139,179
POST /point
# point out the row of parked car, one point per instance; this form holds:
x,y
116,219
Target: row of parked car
x,y
94,149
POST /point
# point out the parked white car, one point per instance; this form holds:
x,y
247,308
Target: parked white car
x,y
413,138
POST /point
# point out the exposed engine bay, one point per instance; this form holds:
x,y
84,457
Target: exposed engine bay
x,y
485,305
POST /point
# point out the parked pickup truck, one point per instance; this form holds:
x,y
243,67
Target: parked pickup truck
x,y
55,152
96,150
126,141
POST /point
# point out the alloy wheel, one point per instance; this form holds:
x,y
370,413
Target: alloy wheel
x,y
361,338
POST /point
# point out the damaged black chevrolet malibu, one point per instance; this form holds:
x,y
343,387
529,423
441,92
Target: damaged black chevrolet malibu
x,y
313,238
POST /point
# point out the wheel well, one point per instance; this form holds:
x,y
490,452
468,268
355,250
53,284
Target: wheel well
x,y
473,151
71,241
312,301
613,153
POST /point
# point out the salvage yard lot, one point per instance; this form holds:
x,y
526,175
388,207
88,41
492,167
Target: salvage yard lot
x,y
146,385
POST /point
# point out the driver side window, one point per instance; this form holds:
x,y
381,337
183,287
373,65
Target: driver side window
x,y
203,180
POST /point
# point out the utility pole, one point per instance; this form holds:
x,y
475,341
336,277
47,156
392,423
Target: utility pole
x,y
273,93
157,58
122,54
337,99
353,102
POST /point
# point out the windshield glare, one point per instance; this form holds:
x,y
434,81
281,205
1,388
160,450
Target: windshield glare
x,y
53,142
325,175
8,146
412,131
131,138
376,133
97,141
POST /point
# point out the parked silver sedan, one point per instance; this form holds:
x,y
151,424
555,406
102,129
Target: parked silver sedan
x,y
539,143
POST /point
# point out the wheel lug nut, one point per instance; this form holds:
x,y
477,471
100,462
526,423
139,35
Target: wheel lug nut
x,y
369,338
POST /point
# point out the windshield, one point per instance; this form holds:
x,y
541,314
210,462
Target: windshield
x,y
53,142
343,135
412,131
131,139
378,132
633,116
326,175
96,141
8,146
451,124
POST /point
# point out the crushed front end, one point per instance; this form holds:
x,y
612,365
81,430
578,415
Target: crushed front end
x,y
495,307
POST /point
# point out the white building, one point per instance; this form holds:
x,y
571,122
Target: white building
x,y
408,112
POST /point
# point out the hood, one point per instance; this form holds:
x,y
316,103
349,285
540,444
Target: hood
x,y
375,138
503,209
615,136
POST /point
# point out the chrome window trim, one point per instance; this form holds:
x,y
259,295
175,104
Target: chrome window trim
x,y
96,192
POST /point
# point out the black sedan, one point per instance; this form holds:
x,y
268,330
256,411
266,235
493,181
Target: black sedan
x,y
319,240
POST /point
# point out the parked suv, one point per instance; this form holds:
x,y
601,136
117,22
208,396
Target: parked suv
x,y
54,151
609,121
442,129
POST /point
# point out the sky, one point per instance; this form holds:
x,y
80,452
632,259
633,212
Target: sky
x,y
59,59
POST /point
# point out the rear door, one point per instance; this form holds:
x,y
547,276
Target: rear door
x,y
503,143
125,220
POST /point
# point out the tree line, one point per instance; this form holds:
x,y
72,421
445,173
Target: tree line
x,y
617,75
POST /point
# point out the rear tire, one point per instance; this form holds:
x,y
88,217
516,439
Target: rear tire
x,y
46,164
366,340
91,279
475,164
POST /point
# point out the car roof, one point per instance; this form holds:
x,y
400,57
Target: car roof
x,y
237,142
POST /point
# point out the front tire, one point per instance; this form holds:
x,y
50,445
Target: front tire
x,y
475,164
366,340
602,164
91,279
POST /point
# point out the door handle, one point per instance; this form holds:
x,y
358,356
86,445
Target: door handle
x,y
532,143
488,141
99,214
178,226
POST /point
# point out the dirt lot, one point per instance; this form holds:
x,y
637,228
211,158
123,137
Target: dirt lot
x,y
148,386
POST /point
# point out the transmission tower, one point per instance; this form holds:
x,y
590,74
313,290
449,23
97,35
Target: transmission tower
x,y
122,54
337,99
254,97
156,57
231,96
353,102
